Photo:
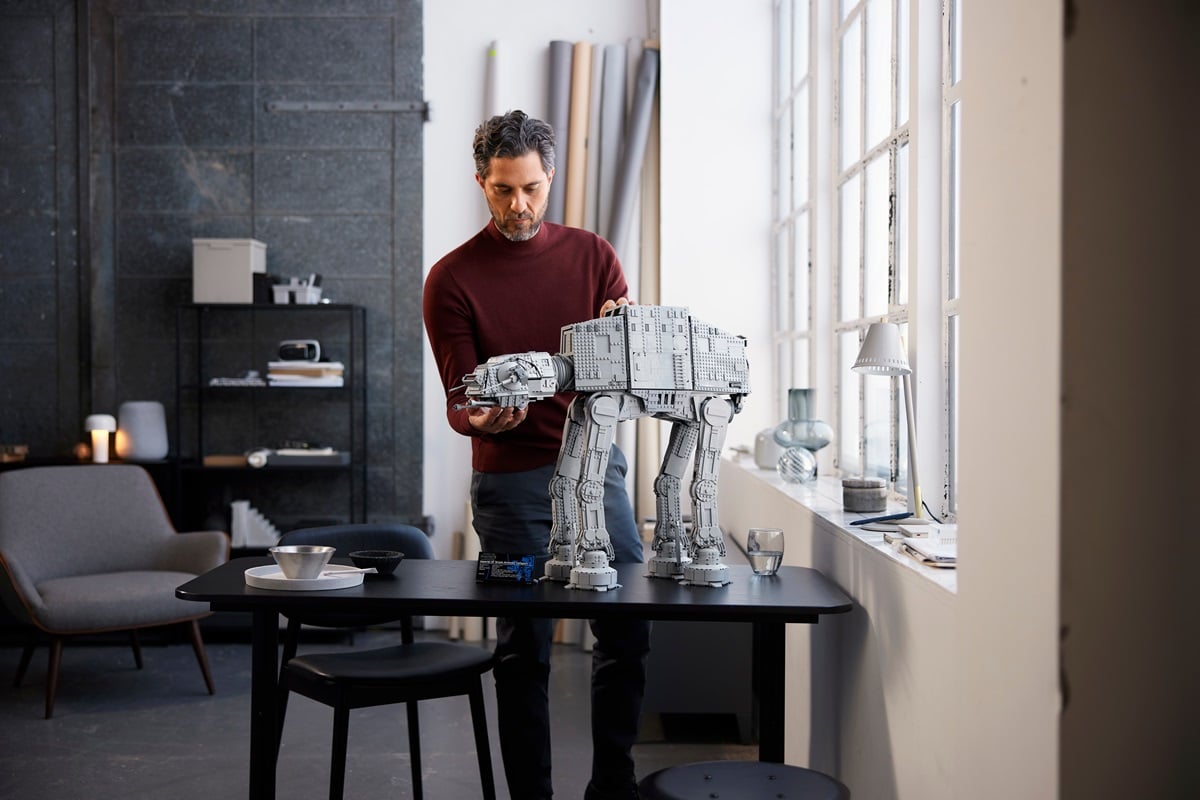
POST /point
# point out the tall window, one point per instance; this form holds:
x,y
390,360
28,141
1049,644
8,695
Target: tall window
x,y
864,230
792,275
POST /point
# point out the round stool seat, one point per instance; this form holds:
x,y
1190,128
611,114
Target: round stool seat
x,y
740,780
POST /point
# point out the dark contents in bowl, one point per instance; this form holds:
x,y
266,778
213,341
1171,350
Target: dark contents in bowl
x,y
384,561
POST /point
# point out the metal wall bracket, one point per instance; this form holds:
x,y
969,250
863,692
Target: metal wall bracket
x,y
353,106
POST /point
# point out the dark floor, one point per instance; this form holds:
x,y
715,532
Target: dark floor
x,y
118,732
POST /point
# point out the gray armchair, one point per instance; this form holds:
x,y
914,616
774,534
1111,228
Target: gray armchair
x,y
90,549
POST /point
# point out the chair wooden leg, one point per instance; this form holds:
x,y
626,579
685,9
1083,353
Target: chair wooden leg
x,y
414,748
23,665
137,647
337,766
482,749
56,644
201,655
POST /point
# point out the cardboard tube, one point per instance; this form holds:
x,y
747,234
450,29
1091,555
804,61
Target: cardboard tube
x,y
581,85
558,115
633,151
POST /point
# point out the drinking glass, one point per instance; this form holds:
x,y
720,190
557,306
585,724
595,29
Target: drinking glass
x,y
764,548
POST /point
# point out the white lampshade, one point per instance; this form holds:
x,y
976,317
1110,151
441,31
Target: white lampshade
x,y
882,352
100,422
100,426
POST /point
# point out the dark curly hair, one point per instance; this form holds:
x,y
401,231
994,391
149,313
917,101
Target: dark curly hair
x,y
512,135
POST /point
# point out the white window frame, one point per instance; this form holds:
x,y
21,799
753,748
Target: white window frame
x,y
806,351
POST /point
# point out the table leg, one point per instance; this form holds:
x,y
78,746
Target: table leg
x,y
769,669
264,685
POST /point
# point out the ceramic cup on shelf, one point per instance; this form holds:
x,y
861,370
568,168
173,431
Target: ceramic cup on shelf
x,y
141,431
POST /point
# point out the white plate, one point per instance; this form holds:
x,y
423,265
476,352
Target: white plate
x,y
272,577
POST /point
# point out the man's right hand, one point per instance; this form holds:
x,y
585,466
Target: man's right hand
x,y
495,419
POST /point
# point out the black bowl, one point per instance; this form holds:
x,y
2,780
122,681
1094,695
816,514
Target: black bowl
x,y
384,561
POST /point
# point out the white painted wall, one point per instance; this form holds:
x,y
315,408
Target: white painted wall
x,y
716,179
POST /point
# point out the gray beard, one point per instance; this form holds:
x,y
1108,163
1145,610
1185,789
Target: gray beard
x,y
519,235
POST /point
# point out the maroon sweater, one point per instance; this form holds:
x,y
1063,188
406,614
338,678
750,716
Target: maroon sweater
x,y
492,297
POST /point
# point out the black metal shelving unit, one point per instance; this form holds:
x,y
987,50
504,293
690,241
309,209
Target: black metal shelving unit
x,y
226,341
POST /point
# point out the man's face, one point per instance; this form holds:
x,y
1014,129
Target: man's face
x,y
517,191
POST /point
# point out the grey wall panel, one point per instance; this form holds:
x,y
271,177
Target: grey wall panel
x,y
27,46
26,112
29,180
27,246
194,48
183,180
192,116
324,49
345,181
334,246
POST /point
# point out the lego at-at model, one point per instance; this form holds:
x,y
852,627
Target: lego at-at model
x,y
636,361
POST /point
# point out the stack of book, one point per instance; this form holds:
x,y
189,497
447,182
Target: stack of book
x,y
305,373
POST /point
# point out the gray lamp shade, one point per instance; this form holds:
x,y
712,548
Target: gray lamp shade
x,y
141,431
882,352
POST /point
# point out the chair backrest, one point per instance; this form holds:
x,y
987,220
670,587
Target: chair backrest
x,y
408,539
81,520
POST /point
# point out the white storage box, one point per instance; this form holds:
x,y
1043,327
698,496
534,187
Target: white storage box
x,y
223,269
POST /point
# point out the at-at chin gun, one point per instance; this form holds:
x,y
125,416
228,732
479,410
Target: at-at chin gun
x,y
516,380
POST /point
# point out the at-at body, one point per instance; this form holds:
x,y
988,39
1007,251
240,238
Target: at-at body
x,y
636,361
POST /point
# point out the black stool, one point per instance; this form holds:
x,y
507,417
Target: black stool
x,y
740,780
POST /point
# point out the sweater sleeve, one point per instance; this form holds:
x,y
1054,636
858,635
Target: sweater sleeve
x,y
450,329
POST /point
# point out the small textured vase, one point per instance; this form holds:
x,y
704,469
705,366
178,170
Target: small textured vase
x,y
141,431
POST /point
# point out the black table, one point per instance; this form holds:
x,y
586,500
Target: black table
x,y
448,588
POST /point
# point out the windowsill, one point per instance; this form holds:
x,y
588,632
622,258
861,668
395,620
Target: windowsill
x,y
822,499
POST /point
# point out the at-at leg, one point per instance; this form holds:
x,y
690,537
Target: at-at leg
x,y
564,507
708,543
593,549
670,539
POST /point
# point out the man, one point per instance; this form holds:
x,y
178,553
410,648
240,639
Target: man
x,y
511,288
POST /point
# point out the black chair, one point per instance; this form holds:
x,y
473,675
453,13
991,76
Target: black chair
x,y
735,780
403,673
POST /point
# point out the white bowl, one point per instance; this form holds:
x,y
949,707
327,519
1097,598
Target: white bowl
x,y
301,561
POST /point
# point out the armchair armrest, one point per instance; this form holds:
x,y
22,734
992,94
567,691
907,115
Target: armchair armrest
x,y
195,551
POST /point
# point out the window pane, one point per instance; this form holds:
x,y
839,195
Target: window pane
x,y
901,419
877,418
952,383
783,287
800,138
876,222
879,70
955,41
848,250
953,210
802,276
801,371
800,18
903,52
848,439
783,130
847,7
850,94
783,45
900,225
